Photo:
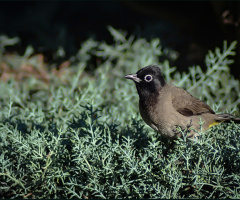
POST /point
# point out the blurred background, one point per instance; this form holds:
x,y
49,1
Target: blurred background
x,y
190,28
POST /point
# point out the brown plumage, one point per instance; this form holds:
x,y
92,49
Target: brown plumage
x,y
165,107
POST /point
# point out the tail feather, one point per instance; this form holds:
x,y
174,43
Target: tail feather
x,y
227,118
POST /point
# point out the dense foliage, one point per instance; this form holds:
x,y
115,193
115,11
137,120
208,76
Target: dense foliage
x,y
75,132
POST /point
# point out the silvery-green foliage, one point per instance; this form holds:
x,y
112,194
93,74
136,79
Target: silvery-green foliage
x,y
84,138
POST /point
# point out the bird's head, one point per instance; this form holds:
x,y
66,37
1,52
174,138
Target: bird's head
x,y
149,81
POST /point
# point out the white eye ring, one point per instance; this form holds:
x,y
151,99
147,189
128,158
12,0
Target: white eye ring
x,y
148,78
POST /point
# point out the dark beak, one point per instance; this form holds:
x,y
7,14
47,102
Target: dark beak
x,y
133,77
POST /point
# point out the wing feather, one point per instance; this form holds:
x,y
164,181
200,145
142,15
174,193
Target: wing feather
x,y
188,105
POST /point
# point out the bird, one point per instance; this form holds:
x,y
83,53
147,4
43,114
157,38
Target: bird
x,y
169,109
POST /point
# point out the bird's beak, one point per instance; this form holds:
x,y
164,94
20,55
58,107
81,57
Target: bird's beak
x,y
133,77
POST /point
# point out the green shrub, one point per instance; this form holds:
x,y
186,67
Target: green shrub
x,y
76,133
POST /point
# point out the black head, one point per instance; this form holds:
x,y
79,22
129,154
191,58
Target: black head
x,y
149,81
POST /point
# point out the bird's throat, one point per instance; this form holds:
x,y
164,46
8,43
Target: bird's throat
x,y
148,99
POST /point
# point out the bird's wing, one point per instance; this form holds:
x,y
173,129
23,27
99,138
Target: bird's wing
x,y
188,105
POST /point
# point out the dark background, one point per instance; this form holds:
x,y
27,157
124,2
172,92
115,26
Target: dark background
x,y
189,27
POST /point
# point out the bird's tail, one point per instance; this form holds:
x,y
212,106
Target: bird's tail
x,y
227,118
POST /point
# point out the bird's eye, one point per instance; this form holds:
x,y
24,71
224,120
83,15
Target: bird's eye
x,y
148,78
